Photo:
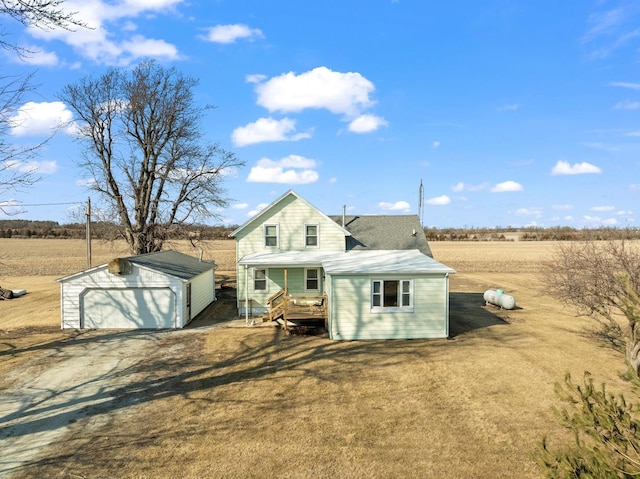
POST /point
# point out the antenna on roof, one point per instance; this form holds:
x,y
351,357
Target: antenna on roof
x,y
420,203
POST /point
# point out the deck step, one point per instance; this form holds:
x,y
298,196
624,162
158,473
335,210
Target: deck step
x,y
280,321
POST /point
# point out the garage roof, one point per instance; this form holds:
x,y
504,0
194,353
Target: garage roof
x,y
169,262
173,262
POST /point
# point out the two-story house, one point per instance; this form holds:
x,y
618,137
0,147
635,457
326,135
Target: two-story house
x,y
373,276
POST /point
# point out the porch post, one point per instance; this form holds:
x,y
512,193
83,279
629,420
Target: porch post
x,y
246,295
286,301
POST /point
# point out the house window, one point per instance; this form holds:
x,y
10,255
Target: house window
x,y
311,236
271,236
259,279
392,295
311,279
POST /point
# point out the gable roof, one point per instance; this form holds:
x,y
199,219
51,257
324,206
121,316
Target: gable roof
x,y
262,213
172,262
385,232
169,262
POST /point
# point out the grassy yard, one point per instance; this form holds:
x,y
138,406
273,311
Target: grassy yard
x,y
253,402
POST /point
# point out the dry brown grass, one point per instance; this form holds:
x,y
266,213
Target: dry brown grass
x,y
256,403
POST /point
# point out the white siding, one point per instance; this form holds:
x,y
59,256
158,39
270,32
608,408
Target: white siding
x,y
202,294
72,289
351,317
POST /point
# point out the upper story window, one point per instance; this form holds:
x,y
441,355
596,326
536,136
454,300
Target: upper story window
x,y
392,295
271,236
311,236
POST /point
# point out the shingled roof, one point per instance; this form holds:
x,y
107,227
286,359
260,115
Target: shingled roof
x,y
384,232
173,262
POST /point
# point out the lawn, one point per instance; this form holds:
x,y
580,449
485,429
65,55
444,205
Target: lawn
x,y
254,402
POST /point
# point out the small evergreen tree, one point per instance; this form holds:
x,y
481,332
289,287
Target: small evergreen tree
x,y
607,435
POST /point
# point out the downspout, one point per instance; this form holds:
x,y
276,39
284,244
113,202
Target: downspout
x,y
246,295
446,291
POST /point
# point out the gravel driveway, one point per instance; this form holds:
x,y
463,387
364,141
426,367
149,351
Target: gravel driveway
x,y
89,376
79,378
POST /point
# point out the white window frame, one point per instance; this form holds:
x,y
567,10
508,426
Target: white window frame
x,y
402,285
264,235
254,279
306,279
317,235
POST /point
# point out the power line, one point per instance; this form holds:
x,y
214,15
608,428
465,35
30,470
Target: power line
x,y
42,204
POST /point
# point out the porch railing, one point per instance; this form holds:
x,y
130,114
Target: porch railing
x,y
296,308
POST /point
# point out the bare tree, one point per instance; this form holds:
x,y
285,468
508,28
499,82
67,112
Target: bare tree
x,y
15,172
43,14
602,280
146,155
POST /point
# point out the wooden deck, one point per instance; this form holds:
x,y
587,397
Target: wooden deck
x,y
290,311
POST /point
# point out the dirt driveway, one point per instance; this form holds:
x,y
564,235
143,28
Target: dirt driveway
x,y
90,376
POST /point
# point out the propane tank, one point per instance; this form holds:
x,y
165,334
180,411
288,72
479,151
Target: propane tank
x,y
498,298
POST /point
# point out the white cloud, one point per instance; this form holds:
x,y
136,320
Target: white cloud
x,y
109,39
37,119
265,130
435,144
628,85
46,167
141,47
255,78
397,206
603,208
438,200
293,169
257,210
366,123
226,34
86,182
510,107
240,206
37,56
562,207
627,105
507,186
460,187
320,88
535,211
564,168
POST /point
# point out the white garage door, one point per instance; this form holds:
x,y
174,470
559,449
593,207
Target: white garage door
x,y
150,308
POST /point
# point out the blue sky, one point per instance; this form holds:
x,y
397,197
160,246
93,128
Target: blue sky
x,y
511,112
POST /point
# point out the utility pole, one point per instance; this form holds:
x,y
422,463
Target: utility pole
x,y
88,233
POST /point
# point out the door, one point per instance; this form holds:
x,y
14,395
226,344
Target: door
x,y
130,308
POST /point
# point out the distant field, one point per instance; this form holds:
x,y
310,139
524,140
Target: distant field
x,y
253,402
53,257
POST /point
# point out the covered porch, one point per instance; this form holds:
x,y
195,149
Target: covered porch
x,y
294,294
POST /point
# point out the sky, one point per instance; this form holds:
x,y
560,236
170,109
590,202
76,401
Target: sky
x,y
511,113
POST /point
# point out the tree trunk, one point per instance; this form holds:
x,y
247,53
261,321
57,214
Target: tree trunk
x,y
633,355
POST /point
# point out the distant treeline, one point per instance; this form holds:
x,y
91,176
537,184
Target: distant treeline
x,y
99,230
107,231
558,233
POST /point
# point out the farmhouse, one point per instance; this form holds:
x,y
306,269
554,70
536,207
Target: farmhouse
x,y
166,289
367,277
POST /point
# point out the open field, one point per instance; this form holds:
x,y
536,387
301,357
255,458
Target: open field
x,y
253,402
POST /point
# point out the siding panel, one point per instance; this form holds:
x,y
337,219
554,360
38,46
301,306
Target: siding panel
x,y
351,316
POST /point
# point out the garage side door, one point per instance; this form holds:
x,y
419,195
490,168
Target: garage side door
x,y
149,308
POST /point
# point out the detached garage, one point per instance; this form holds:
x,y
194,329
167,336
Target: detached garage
x,y
152,291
